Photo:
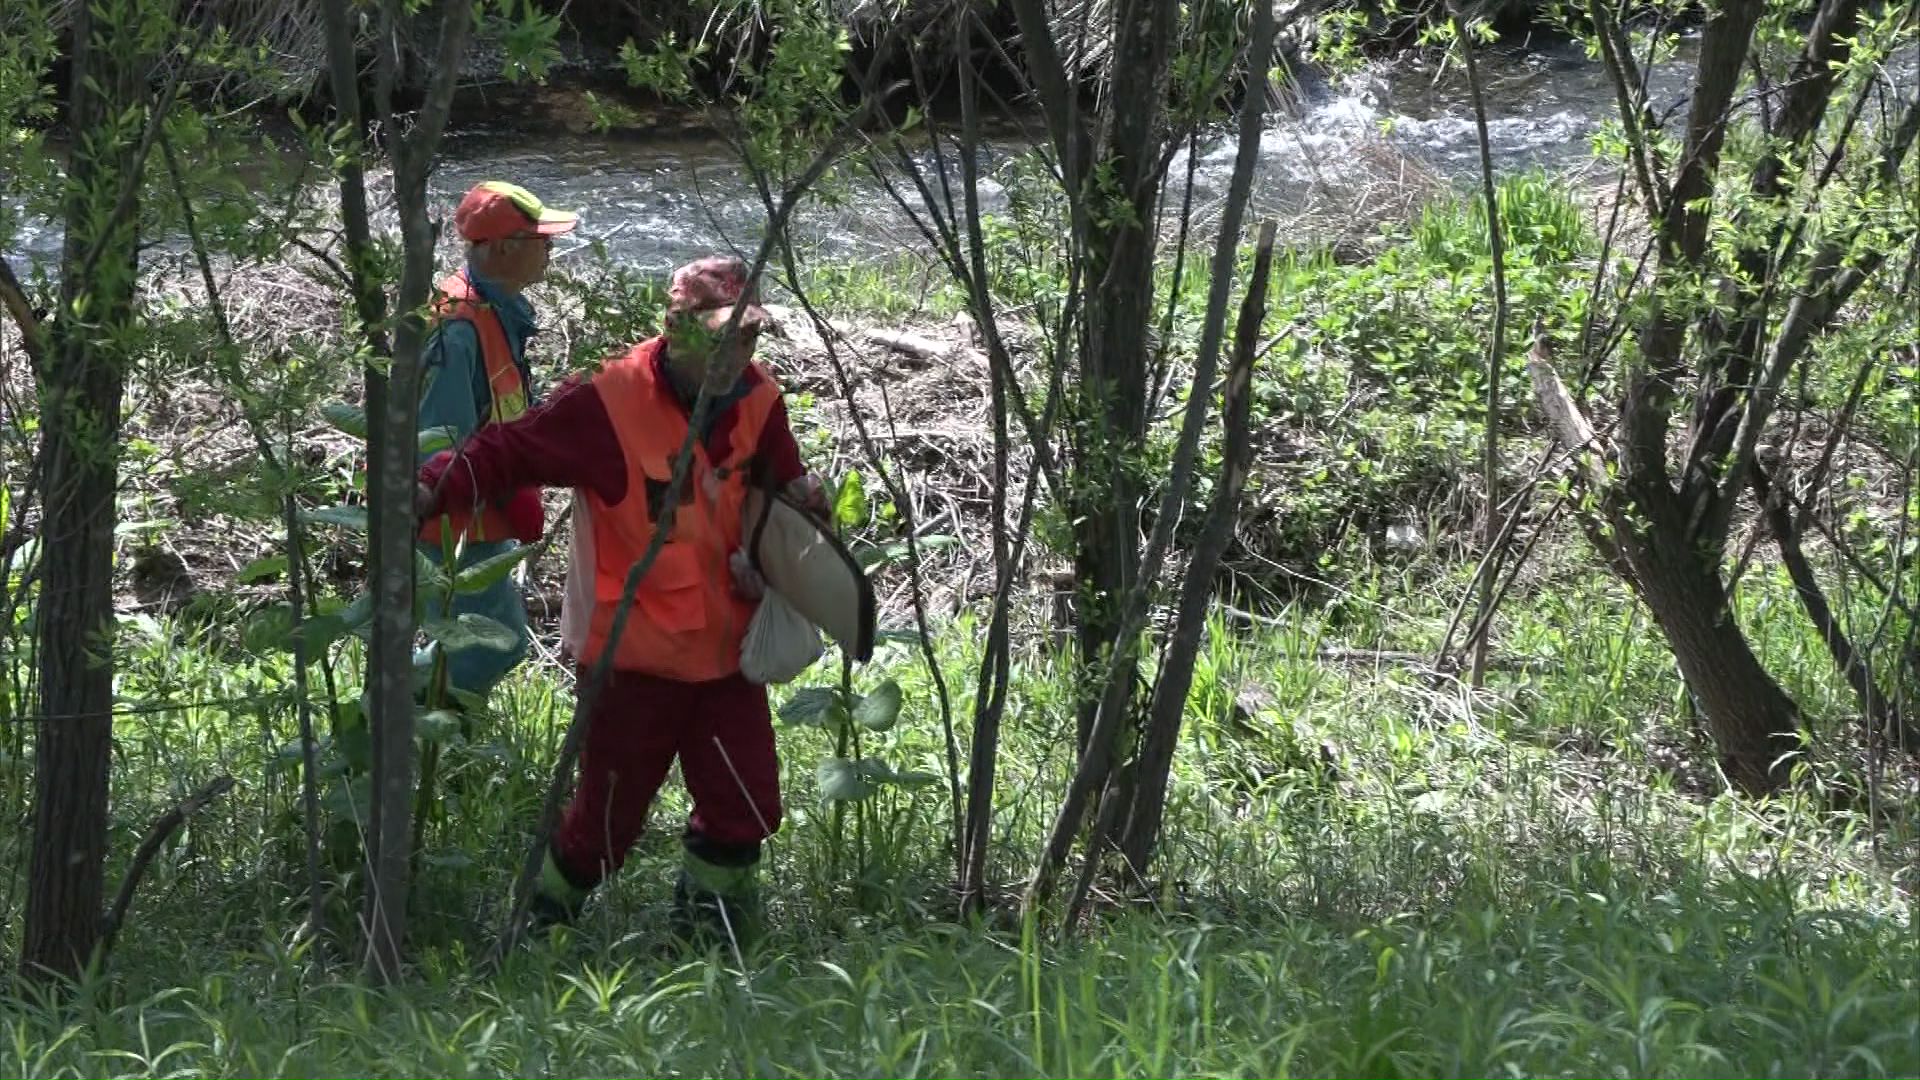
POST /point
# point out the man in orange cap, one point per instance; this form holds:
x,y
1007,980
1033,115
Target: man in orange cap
x,y
476,375
675,689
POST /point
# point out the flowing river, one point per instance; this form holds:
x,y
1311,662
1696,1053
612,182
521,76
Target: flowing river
x,y
1333,154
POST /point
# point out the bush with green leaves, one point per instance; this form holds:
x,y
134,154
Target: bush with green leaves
x,y
446,716
1373,396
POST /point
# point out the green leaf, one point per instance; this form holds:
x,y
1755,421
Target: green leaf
x,y
263,569
809,706
347,517
428,576
435,439
895,550
850,510
346,417
880,710
474,703
840,780
359,613
270,630
437,725
874,772
470,631
487,573
317,633
354,740
348,799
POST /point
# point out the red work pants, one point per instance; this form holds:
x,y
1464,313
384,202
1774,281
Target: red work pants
x,y
723,735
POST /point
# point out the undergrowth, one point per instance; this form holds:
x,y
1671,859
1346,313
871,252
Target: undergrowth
x,y
1368,872
1368,868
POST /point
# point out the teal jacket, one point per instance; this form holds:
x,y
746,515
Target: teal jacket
x,y
454,391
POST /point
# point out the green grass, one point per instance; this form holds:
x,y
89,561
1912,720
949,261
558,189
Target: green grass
x,y
1510,885
1367,870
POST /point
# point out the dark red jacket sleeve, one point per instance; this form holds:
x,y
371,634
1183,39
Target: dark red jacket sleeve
x,y
777,459
565,441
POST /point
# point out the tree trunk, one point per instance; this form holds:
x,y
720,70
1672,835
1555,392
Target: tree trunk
x,y
1754,723
1154,766
1116,353
80,396
392,405
1883,712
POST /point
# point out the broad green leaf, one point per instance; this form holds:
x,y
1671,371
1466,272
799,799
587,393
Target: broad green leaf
x,y
355,744
270,630
468,700
880,710
348,799
487,573
850,510
470,631
840,780
894,551
809,706
435,439
347,418
347,517
319,632
263,569
437,725
873,771
359,613
428,575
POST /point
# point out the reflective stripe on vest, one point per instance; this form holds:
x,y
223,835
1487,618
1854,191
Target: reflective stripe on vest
x,y
460,300
686,623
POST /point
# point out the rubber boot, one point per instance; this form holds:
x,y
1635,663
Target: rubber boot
x,y
556,901
716,905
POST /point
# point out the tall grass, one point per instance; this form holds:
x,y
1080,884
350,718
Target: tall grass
x,y
1368,868
1367,873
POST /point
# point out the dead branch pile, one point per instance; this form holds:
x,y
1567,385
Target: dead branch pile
x,y
924,393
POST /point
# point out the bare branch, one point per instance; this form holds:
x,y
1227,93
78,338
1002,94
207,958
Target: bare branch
x,y
1096,757
1168,704
1496,349
157,834
14,298
1627,87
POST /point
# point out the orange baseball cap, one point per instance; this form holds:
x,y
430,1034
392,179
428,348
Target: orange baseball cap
x,y
496,210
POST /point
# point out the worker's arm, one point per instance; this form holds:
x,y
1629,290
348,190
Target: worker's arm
x,y
565,441
452,383
778,466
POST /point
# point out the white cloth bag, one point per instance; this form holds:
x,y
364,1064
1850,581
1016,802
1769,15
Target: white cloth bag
x,y
780,643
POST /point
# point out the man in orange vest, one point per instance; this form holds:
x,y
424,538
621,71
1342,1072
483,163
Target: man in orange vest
x,y
477,374
675,688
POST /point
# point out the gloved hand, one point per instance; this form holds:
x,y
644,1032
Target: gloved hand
x,y
427,491
747,582
526,515
811,495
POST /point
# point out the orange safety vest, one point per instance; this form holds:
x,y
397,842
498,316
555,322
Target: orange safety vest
x,y
460,300
686,623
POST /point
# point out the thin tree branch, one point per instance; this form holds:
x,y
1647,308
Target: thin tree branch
x,y
14,299
1096,758
157,835
1496,350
